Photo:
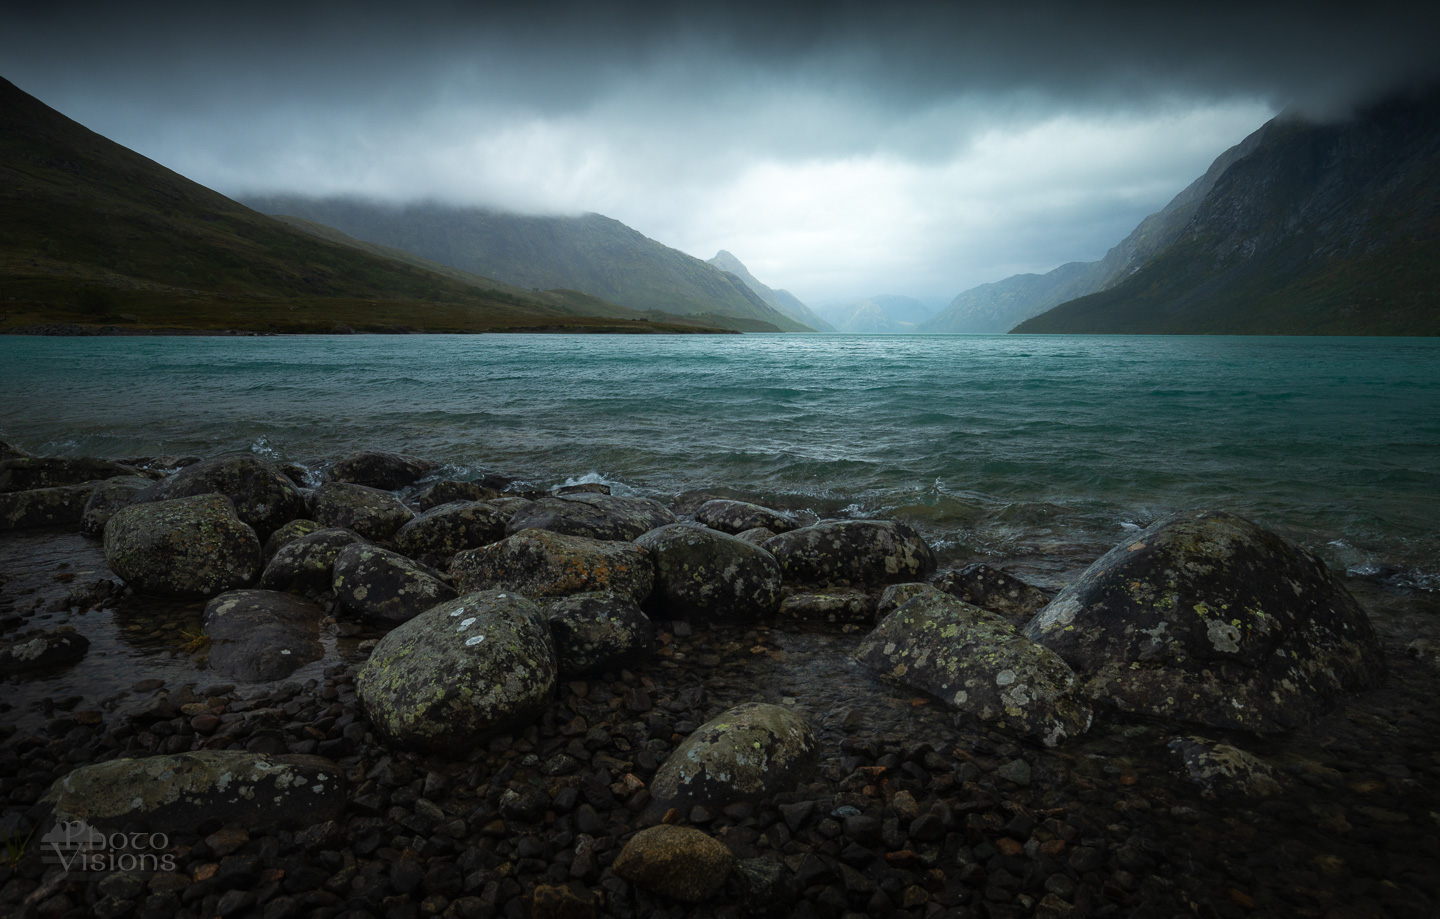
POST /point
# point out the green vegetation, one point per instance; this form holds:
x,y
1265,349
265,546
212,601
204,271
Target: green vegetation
x,y
16,848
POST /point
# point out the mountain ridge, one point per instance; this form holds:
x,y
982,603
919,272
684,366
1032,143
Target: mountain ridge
x,y
781,300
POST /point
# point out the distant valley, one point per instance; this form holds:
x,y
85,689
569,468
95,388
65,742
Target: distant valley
x,y
883,314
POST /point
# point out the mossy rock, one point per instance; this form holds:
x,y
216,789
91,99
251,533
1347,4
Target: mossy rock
x,y
735,517
385,586
261,634
107,498
450,528
63,505
27,473
677,862
449,491
596,632
184,547
995,590
1221,771
379,469
306,564
703,575
372,513
853,553
593,516
262,495
288,533
539,563
838,607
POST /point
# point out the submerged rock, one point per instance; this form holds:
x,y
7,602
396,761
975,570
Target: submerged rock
x,y
594,516
706,576
378,469
306,564
63,505
184,547
262,634
1223,771
735,517
27,473
442,531
40,649
1205,617
538,563
263,497
107,498
992,589
838,606
460,672
979,664
448,492
596,632
747,754
372,513
675,861
853,553
185,790
386,586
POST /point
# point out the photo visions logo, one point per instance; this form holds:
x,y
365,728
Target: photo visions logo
x,y
74,845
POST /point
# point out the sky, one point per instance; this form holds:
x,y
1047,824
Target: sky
x,y
840,150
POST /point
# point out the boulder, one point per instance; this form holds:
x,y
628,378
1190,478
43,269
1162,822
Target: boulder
x,y
442,531
263,497
183,547
1221,771
448,492
41,649
992,589
979,664
748,754
676,862
595,632
460,672
706,576
756,535
185,790
386,586
261,634
897,595
834,606
372,513
63,505
289,533
593,516
306,565
1205,617
107,498
27,473
539,563
583,488
378,469
736,517
853,553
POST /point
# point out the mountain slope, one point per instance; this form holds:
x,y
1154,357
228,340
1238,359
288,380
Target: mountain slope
x,y
590,253
882,314
1327,229
998,307
781,300
94,234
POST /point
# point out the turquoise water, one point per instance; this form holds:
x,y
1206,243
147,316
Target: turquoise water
x,y
997,446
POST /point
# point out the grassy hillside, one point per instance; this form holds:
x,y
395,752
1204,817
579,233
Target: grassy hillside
x,y
93,234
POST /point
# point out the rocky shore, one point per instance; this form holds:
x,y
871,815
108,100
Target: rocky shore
x,y
356,689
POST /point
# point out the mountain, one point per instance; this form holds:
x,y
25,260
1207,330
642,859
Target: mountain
x,y
881,314
1321,229
1000,306
590,253
93,234
781,300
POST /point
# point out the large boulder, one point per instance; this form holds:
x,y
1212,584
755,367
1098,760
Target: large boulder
x,y
63,505
372,513
306,564
263,497
748,754
442,531
539,563
107,498
460,672
262,634
993,589
1205,617
675,861
41,649
386,586
596,632
379,469
594,516
853,553
26,473
735,517
979,664
288,533
707,576
184,547
449,491
184,790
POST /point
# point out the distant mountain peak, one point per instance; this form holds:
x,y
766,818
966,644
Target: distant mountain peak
x,y
781,300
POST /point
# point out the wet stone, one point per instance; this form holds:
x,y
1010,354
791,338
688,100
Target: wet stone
x,y
379,469
262,496
372,513
40,650
450,528
735,517
107,498
836,606
702,575
1221,770
306,563
853,553
186,547
28,473
994,590
385,586
596,632
677,862
288,533
606,517
540,564
44,507
261,634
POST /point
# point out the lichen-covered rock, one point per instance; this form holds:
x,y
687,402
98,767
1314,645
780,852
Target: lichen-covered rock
x,y
735,517
853,553
897,595
262,634
263,497
386,586
836,606
306,564
183,547
979,664
1223,771
372,513
448,492
703,575
459,673
747,754
756,535
594,516
40,649
539,563
107,498
442,531
992,589
595,632
290,532
378,469
184,790
1205,617
63,505
26,473
676,862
